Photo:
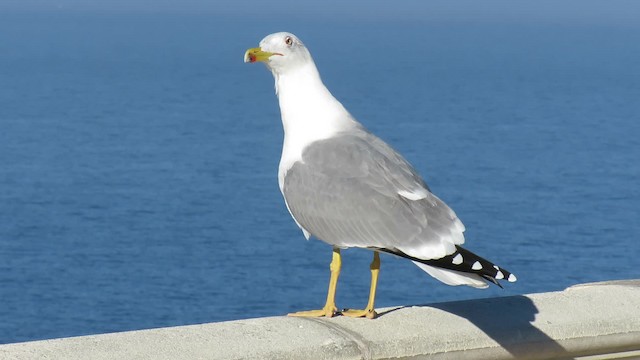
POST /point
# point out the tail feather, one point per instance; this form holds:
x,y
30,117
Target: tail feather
x,y
460,268
452,277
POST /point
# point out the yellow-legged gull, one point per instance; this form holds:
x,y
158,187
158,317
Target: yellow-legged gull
x,y
348,188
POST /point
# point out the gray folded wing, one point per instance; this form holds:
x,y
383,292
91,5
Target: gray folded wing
x,y
354,190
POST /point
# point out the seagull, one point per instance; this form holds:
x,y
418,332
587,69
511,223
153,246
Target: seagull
x,y
348,188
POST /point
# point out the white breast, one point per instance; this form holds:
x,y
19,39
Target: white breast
x,y
309,113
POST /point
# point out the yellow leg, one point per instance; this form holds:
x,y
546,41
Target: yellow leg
x,y
369,312
329,308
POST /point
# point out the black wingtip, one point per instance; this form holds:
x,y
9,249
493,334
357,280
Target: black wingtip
x,y
465,261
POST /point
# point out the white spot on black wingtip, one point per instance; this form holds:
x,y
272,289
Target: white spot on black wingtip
x,y
476,266
496,267
457,260
499,275
512,278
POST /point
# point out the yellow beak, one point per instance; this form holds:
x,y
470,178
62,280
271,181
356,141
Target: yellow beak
x,y
256,54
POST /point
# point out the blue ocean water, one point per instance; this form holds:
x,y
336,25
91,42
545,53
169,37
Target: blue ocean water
x,y
138,162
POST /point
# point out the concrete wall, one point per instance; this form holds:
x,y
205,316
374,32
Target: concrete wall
x,y
590,321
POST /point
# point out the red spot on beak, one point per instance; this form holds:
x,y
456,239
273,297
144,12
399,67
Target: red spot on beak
x,y
252,58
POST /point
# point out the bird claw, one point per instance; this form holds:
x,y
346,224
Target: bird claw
x,y
326,312
368,313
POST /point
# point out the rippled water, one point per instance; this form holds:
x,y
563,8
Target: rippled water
x,y
138,161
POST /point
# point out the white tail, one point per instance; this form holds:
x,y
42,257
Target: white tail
x,y
454,278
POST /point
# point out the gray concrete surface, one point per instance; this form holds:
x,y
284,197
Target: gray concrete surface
x,y
590,321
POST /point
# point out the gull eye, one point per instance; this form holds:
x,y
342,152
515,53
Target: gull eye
x,y
288,40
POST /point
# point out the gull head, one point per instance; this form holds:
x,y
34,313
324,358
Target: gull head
x,y
281,52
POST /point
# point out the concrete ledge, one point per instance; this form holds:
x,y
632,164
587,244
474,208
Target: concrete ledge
x,y
590,321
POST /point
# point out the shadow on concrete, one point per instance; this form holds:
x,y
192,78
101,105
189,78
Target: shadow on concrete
x,y
508,321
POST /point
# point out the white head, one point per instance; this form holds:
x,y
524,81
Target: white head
x,y
282,52
309,111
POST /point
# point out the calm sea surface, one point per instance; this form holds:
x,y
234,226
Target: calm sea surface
x,y
138,162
